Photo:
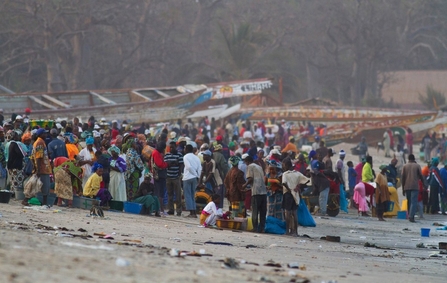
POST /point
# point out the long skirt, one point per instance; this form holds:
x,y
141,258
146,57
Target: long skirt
x,y
149,202
17,179
117,186
394,197
132,184
360,197
63,185
433,201
274,204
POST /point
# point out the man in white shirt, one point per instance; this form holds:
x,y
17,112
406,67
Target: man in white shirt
x,y
191,174
255,178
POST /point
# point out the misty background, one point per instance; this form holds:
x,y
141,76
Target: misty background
x,y
343,50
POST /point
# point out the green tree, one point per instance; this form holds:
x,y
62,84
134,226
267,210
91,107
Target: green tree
x,y
432,99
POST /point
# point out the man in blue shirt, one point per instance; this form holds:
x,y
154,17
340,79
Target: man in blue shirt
x,y
56,147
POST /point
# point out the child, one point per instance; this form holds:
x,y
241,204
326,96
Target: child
x,y
351,179
210,213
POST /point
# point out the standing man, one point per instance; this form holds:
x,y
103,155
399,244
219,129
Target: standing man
x,y
341,168
42,165
320,182
191,174
255,178
175,167
56,147
411,174
328,161
225,149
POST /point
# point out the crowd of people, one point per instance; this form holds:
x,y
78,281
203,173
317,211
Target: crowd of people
x,y
259,169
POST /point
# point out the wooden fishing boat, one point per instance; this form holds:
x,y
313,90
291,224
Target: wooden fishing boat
x,y
346,124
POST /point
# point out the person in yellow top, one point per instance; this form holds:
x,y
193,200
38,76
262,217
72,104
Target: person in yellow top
x,y
367,173
93,184
290,146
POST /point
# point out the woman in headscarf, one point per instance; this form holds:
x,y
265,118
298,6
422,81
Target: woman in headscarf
x,y
92,188
436,186
88,158
28,149
382,195
68,180
70,144
16,156
117,185
234,191
134,168
274,190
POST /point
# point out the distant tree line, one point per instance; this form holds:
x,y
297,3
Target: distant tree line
x,y
344,50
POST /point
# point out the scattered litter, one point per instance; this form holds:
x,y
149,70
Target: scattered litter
x,y
100,247
272,264
121,262
362,237
291,273
302,241
108,237
421,246
435,254
273,245
405,229
353,231
102,234
175,239
230,263
369,245
174,252
437,224
218,243
65,235
251,246
82,230
293,265
442,228
202,251
132,241
200,272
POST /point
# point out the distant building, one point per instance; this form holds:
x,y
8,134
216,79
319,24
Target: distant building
x,y
407,85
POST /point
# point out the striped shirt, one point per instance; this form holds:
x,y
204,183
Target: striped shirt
x,y
173,171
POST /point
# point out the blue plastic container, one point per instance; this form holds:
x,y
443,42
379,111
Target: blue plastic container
x,y
76,202
425,232
132,207
402,214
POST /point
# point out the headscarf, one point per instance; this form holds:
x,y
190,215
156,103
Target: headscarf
x,y
312,153
234,160
26,137
231,144
70,138
89,141
113,148
435,161
274,163
96,166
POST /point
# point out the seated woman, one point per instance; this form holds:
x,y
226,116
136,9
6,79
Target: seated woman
x,y
92,188
145,196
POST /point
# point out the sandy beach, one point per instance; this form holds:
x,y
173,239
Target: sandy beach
x,y
59,244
